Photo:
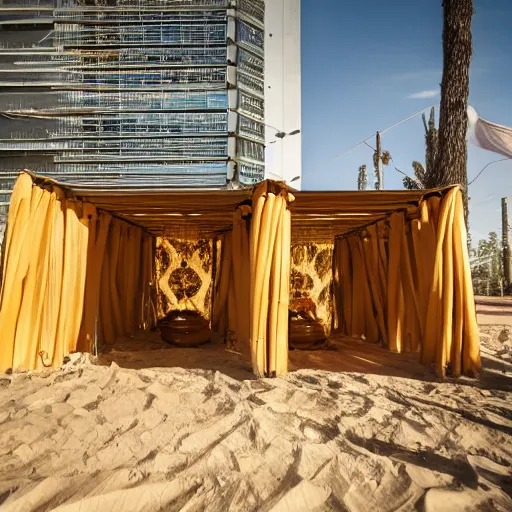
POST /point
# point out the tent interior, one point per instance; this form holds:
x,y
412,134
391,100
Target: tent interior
x,y
86,269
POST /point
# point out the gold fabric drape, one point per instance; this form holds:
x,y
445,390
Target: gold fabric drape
x,y
240,276
406,282
44,275
56,252
231,309
99,223
125,304
73,279
270,244
222,284
147,314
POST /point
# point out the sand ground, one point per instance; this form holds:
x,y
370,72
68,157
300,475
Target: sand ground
x,y
494,310
380,433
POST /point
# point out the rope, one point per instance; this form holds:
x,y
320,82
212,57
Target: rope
x,y
44,356
490,163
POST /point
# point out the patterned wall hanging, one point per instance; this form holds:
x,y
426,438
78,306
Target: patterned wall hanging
x,y
184,276
311,282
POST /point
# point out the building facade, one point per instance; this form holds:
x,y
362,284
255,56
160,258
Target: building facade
x,y
283,158
183,93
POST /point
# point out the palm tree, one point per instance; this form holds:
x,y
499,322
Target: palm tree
x,y
431,143
362,179
418,182
423,175
487,267
451,159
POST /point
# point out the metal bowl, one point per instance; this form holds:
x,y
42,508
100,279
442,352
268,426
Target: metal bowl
x,y
185,329
306,334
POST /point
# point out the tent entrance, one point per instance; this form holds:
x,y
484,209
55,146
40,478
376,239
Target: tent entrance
x,y
145,349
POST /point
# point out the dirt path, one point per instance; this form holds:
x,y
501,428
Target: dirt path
x,y
494,310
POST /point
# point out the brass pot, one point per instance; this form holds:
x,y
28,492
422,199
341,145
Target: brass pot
x,y
305,333
185,329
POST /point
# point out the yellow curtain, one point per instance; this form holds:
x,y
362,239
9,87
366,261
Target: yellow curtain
x,y
51,306
342,286
337,300
43,277
423,254
223,281
371,258
437,305
240,275
26,340
465,356
129,276
231,292
270,244
412,333
359,304
451,337
15,265
416,266
73,279
125,292
110,309
147,315
99,223
56,253
347,285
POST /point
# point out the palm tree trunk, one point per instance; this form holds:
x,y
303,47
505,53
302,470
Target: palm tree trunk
x,y
451,161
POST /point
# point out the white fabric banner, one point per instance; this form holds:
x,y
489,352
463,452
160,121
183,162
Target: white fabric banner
x,y
490,136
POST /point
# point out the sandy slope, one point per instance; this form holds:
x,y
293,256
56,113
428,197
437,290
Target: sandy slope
x,y
96,438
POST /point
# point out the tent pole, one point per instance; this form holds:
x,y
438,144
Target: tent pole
x,y
95,341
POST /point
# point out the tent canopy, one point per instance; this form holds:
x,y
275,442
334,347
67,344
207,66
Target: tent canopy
x,y
316,215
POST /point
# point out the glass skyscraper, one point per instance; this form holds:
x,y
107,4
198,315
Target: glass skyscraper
x,y
184,93
164,92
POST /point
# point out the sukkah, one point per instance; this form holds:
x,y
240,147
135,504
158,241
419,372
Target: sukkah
x,y
83,266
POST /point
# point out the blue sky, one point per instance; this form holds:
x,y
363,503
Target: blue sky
x,y
366,65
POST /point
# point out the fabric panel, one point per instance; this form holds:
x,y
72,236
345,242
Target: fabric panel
x,y
419,282
270,240
125,288
490,136
44,277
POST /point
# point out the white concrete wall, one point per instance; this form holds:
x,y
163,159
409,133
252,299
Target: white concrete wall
x,y
283,158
